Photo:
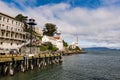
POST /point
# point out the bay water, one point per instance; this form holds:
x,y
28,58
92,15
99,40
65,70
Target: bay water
x,y
94,65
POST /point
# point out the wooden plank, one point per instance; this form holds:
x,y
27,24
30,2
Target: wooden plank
x,y
5,59
18,58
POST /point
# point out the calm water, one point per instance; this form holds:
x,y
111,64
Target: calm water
x,y
94,65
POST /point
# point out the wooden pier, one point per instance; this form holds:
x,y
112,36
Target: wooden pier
x,y
10,64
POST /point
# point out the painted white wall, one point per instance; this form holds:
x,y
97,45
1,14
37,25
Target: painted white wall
x,y
58,43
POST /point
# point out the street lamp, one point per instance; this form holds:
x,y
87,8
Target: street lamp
x,y
31,23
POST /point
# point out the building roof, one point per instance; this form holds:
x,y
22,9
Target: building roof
x,y
56,37
9,16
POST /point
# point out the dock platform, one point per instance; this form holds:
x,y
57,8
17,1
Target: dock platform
x,y
12,63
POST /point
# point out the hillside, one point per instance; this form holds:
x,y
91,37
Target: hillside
x,y
99,48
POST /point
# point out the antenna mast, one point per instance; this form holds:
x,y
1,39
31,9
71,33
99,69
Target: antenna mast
x,y
77,39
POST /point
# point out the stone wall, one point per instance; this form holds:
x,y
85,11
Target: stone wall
x,y
26,50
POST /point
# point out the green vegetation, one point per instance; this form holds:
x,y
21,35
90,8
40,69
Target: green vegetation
x,y
49,29
54,48
48,46
43,48
77,48
74,49
23,19
65,44
37,35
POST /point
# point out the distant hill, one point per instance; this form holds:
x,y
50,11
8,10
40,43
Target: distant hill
x,y
99,48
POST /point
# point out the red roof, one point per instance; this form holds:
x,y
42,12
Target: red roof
x,y
56,37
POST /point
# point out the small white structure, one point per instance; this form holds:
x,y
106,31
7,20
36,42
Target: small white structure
x,y
73,45
56,40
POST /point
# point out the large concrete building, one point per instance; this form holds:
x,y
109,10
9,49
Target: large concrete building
x,y
12,35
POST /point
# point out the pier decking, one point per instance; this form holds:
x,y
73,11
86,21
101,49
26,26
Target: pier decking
x,y
9,64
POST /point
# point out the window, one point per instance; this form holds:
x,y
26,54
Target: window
x,y
10,43
2,24
2,33
18,29
23,36
1,43
7,20
15,35
11,28
3,18
7,34
0,17
12,21
11,35
6,27
16,23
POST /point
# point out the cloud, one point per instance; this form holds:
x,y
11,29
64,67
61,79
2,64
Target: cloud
x,y
25,3
110,2
9,9
98,27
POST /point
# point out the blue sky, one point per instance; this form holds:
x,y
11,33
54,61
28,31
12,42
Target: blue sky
x,y
96,22
82,3
93,4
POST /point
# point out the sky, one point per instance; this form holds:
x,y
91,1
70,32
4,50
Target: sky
x,y
95,22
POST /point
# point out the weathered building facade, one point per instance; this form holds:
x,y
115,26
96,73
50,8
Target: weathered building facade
x,y
12,35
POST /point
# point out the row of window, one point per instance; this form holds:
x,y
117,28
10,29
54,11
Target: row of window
x,y
10,28
12,35
10,20
1,43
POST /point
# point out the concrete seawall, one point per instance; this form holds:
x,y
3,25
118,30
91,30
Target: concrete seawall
x,y
73,52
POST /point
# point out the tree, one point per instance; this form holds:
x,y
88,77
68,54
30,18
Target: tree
x,y
65,44
49,29
23,19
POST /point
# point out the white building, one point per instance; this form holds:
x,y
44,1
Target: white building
x,y
12,35
38,30
74,45
56,40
